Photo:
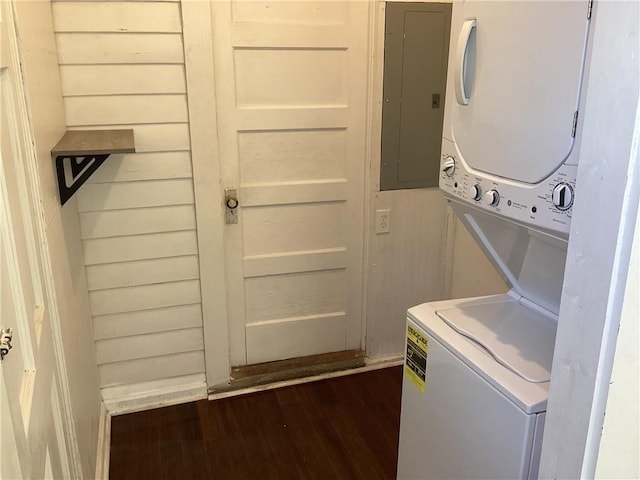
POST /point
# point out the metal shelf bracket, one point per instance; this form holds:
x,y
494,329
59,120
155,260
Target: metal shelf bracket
x,y
81,152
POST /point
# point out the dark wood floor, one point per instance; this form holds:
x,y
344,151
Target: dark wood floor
x,y
341,428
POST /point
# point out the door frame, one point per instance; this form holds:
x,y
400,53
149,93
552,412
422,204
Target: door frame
x,y
207,184
597,258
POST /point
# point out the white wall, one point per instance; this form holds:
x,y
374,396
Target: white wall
x,y
407,266
427,255
619,455
44,99
122,66
599,246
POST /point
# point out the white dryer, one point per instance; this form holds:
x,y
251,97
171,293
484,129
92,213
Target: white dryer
x,y
477,371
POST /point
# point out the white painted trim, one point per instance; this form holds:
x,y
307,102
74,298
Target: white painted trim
x,y
373,135
370,365
376,77
203,128
620,443
158,393
104,444
20,14
377,363
607,192
161,393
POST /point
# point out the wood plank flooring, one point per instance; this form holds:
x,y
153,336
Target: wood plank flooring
x,y
340,428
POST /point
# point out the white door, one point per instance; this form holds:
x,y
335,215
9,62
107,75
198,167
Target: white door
x,y
31,426
291,81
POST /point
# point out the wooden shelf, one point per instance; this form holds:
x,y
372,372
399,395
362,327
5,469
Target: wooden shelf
x,y
79,153
76,143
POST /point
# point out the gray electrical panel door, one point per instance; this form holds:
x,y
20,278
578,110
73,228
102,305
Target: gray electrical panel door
x,y
416,51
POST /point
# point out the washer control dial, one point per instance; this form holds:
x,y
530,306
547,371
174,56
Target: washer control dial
x,y
449,166
475,192
562,196
492,197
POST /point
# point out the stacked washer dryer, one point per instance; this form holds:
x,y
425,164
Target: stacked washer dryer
x,y
477,371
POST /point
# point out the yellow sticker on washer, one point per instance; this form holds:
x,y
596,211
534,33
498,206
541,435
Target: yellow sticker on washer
x,y
415,364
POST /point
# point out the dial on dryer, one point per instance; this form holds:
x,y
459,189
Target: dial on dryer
x,y
475,192
492,197
562,196
449,166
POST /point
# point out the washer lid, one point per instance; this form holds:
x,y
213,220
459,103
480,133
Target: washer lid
x,y
518,338
505,342
521,64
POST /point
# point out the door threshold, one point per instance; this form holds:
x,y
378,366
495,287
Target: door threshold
x,y
248,376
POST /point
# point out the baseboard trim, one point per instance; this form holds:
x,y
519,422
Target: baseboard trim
x,y
104,444
137,397
384,362
159,393
369,365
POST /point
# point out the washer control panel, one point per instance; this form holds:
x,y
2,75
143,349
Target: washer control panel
x,y
547,205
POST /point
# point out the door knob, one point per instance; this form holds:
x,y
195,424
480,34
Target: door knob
x,y
6,335
231,202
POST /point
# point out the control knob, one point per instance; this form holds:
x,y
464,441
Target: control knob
x,y
492,197
449,166
475,192
562,196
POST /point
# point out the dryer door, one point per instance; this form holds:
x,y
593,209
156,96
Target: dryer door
x,y
515,73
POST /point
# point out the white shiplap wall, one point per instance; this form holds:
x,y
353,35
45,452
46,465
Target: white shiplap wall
x,y
122,66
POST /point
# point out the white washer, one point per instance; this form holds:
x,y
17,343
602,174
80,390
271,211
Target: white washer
x,y
476,418
477,371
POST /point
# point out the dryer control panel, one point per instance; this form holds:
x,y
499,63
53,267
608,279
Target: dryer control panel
x,y
546,205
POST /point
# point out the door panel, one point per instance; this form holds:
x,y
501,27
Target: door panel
x,y
290,88
31,423
9,456
295,295
293,228
290,77
291,13
298,337
291,155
